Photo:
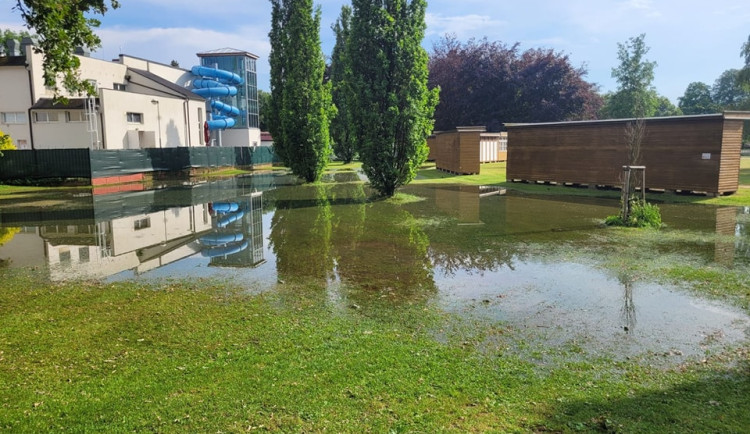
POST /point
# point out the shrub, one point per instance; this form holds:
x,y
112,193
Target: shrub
x,y
642,215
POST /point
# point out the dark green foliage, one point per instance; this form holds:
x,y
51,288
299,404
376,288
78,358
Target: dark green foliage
x,y
635,96
697,100
62,25
666,108
264,102
342,127
744,74
300,107
392,110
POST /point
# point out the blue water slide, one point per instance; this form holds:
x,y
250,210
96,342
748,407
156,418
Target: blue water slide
x,y
229,218
222,207
225,250
219,239
217,83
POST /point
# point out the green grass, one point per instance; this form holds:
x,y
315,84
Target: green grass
x,y
200,357
494,174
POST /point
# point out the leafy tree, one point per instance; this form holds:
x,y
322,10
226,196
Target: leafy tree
x,y
7,34
744,75
63,25
264,101
342,126
174,63
6,143
664,107
300,102
488,83
392,109
697,99
729,93
635,96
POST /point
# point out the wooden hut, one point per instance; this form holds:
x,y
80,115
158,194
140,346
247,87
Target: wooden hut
x,y
682,153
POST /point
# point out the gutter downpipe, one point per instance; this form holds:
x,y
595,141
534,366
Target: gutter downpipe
x,y
31,99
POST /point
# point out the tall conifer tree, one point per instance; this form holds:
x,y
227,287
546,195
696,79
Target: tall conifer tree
x,y
392,110
342,127
300,102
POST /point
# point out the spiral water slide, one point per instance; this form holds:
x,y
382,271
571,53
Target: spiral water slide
x,y
215,83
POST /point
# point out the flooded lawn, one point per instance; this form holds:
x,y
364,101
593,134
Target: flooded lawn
x,y
543,270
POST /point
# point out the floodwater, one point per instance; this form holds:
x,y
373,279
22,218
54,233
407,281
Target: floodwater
x,y
542,268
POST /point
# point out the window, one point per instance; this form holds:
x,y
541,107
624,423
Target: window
x,y
14,117
135,118
83,254
142,224
74,116
45,117
119,86
65,256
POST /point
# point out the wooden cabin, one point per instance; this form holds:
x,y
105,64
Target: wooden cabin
x,y
463,149
682,153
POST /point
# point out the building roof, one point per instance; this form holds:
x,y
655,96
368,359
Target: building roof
x,y
50,104
183,91
742,115
12,60
226,52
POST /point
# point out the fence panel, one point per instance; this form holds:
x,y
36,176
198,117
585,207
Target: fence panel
x,y
45,163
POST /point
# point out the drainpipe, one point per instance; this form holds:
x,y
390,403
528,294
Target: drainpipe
x,y
31,99
186,120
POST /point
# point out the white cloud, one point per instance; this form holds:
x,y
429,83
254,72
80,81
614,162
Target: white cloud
x,y
463,26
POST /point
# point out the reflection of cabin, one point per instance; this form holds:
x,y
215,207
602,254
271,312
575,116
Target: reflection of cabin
x,y
683,153
462,150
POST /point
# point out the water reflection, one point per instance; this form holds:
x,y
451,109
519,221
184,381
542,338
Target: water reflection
x,y
520,256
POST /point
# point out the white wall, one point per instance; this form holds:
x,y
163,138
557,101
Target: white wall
x,y
15,96
62,134
238,137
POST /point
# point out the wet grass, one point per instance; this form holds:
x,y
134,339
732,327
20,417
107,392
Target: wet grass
x,y
200,357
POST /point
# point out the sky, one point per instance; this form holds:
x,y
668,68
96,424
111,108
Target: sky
x,y
689,40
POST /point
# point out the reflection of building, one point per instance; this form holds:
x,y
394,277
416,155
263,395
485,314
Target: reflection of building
x,y
99,236
249,231
140,242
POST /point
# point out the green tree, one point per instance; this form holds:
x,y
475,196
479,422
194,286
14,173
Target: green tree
x,y
664,107
342,127
300,102
744,74
635,96
7,34
63,25
697,99
393,108
264,102
729,93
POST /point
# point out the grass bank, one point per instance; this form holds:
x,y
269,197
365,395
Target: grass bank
x,y
494,174
200,357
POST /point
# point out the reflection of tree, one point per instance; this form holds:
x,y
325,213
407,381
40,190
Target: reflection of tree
x,y
301,233
383,253
628,308
7,234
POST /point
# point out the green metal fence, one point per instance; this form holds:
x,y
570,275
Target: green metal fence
x,y
85,163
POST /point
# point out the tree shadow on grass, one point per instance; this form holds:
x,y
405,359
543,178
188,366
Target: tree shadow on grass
x,y
718,401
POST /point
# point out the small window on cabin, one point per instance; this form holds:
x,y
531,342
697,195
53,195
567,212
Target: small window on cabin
x,y
14,117
74,116
119,86
83,254
135,118
45,117
142,224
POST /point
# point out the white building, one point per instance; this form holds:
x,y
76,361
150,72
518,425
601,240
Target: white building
x,y
139,104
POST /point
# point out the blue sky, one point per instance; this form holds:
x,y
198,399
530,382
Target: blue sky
x,y
690,40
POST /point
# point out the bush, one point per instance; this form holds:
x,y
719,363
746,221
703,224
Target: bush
x,y
642,215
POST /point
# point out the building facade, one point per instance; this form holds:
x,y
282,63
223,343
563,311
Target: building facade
x,y
138,104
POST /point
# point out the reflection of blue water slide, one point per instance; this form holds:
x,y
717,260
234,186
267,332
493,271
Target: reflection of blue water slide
x,y
217,83
223,243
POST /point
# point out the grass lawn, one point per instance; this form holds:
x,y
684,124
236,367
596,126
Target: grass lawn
x,y
200,357
494,174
